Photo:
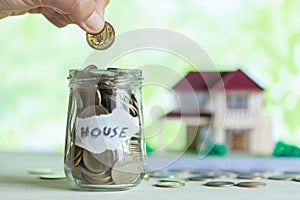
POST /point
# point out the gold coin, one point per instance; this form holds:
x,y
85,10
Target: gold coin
x,y
170,184
251,184
102,40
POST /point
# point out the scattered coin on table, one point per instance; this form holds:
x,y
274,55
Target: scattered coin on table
x,y
286,177
297,179
249,176
173,180
170,184
251,184
219,184
202,178
54,176
41,171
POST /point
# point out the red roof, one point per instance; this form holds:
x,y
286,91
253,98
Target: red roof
x,y
179,114
233,80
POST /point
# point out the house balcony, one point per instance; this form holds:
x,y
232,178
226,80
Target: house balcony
x,y
241,114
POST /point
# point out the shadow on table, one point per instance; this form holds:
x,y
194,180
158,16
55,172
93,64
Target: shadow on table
x,y
35,181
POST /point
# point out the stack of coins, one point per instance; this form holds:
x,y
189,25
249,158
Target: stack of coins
x,y
99,97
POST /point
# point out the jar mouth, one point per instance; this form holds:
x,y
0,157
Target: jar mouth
x,y
110,77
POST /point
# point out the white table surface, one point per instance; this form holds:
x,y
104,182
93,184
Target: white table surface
x,y
17,183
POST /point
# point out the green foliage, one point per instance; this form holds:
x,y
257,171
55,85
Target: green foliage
x,y
212,149
35,58
218,150
285,150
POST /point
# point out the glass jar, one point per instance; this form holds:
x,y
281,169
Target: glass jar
x,y
104,147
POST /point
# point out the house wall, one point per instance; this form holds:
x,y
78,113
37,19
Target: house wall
x,y
252,118
224,118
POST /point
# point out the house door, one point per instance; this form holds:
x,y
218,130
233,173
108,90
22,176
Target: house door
x,y
192,138
238,140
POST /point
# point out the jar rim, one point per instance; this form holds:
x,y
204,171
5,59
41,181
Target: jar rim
x,y
116,76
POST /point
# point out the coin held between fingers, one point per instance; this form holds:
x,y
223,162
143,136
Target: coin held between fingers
x,y
102,40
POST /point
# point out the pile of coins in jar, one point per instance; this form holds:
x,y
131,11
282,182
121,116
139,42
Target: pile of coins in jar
x,y
117,157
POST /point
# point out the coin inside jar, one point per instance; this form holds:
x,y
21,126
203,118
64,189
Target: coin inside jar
x,y
126,171
102,40
92,163
92,111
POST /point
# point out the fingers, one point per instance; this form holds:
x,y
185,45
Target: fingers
x,y
88,14
55,17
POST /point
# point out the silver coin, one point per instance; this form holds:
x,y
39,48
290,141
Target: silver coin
x,y
251,184
297,179
286,177
127,171
87,172
78,100
41,171
87,95
163,174
219,184
292,172
202,178
107,158
76,173
77,155
249,176
173,180
103,181
92,111
91,163
89,68
170,184
54,176
219,174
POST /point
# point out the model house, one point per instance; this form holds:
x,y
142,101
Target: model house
x,y
225,108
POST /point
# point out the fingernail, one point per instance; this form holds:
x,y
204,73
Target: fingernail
x,y
94,23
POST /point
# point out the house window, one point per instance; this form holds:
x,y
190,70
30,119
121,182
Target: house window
x,y
238,101
193,99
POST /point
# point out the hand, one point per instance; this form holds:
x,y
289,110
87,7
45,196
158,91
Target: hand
x,y
88,14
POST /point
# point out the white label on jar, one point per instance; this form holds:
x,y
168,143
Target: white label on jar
x,y
110,131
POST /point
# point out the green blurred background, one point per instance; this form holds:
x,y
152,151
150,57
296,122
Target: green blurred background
x,y
260,36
